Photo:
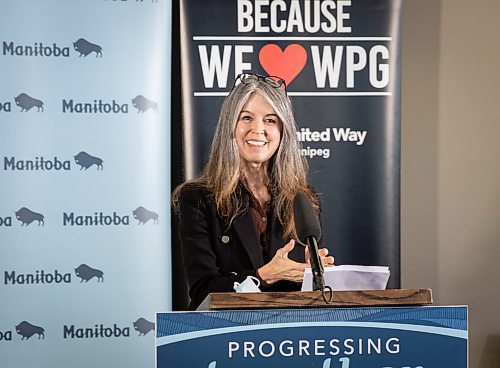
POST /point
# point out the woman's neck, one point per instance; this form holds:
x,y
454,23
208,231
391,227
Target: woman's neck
x,y
257,180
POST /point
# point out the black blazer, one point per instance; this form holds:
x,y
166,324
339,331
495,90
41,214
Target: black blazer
x,y
215,255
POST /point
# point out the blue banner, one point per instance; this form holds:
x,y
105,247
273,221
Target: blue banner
x,y
425,337
84,180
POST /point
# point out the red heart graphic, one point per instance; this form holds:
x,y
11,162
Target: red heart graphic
x,y
285,64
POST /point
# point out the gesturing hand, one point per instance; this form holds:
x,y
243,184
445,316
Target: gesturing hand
x,y
323,255
281,267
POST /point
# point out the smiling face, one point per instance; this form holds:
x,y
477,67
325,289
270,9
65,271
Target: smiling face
x,y
258,131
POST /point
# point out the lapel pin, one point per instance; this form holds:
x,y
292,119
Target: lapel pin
x,y
225,239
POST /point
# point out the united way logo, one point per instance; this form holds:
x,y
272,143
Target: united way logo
x,y
27,330
143,215
27,216
142,104
84,48
87,273
26,102
86,160
143,326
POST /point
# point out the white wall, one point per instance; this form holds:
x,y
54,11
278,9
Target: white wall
x,y
451,161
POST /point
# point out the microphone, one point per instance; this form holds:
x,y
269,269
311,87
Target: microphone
x,y
309,231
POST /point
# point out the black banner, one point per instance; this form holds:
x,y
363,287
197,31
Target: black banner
x,y
341,62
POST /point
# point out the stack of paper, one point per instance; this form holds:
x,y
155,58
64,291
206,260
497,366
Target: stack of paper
x,y
351,277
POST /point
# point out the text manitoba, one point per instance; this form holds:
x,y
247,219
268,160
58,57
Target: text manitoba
x,y
6,336
37,49
97,219
98,331
39,163
39,277
98,106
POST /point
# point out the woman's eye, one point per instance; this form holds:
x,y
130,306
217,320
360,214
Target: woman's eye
x,y
246,118
270,121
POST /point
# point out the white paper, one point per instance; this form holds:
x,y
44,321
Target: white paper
x,y
351,277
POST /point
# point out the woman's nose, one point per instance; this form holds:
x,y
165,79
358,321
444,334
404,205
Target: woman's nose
x,y
258,126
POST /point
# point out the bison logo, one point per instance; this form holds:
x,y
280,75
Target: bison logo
x,y
86,273
26,330
26,102
144,215
142,104
143,326
84,47
26,216
85,161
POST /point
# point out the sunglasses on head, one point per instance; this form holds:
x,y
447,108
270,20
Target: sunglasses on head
x,y
247,78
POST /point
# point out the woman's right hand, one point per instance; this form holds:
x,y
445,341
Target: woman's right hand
x,y
281,267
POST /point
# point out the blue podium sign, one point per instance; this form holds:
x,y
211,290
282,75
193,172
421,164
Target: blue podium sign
x,y
416,337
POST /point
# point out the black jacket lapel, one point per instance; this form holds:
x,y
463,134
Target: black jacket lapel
x,y
245,229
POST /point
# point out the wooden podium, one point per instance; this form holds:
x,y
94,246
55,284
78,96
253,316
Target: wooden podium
x,y
383,328
313,299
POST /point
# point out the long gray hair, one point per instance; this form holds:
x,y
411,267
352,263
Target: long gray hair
x,y
287,169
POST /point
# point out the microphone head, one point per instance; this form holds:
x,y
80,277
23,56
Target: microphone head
x,y
306,218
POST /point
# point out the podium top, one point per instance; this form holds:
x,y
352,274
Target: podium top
x,y
313,299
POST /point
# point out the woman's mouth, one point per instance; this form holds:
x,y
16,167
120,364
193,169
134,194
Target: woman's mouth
x,y
256,143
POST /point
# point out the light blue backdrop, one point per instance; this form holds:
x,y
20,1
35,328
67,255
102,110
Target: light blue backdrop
x,y
50,316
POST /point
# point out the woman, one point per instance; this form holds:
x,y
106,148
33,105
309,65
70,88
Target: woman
x,y
236,219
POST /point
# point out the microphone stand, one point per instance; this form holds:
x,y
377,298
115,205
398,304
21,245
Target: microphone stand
x,y
317,269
